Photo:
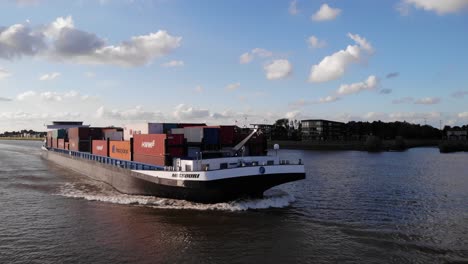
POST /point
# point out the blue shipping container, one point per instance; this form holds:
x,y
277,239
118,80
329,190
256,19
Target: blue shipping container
x,y
211,135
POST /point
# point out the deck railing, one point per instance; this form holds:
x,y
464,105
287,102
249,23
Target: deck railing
x,y
126,164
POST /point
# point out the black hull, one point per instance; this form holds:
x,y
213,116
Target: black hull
x,y
220,190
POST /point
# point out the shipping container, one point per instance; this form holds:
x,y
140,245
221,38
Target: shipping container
x,y
142,128
96,133
67,145
59,133
49,142
193,134
176,152
99,147
79,133
177,139
183,125
76,144
177,131
61,143
150,159
151,144
227,135
120,150
192,152
210,136
54,143
168,126
113,135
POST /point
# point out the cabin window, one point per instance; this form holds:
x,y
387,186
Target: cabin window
x,y
188,167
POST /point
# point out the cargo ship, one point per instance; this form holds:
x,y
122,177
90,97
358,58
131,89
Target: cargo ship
x,y
194,162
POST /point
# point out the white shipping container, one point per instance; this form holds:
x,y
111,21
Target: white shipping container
x,y
177,131
114,135
142,128
193,134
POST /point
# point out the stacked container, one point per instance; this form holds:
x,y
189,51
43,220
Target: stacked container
x,y
176,146
120,150
150,149
100,148
79,137
142,128
61,143
115,134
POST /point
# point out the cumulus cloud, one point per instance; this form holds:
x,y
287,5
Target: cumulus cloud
x,y
315,43
293,114
404,100
334,66
428,100
183,112
369,84
53,96
326,13
19,40
49,76
457,94
392,75
173,63
135,114
232,86
21,115
463,115
61,41
278,69
247,57
293,8
4,74
437,6
4,99
328,99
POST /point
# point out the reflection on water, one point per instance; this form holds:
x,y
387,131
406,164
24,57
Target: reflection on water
x,y
408,207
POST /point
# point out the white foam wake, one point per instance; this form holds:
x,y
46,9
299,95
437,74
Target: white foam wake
x,y
272,199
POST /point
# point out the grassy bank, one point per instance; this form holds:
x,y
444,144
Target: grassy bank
x,y
21,138
353,145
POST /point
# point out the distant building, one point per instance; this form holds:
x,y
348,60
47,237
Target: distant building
x,y
457,134
66,124
319,129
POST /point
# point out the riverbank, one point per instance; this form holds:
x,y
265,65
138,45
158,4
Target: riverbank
x,y
22,138
351,145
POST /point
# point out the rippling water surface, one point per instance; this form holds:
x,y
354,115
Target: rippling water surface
x,y
408,207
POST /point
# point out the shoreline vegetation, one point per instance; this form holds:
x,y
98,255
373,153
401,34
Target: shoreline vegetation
x,y
23,138
373,144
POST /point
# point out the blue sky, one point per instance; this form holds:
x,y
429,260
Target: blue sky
x,y
122,61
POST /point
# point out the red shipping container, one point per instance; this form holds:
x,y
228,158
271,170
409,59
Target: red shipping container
x,y
49,142
78,145
61,143
54,143
227,135
149,159
78,132
177,139
120,150
149,144
176,152
67,145
99,148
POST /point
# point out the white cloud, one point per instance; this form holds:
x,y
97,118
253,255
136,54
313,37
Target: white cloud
x,y
247,57
54,96
21,115
441,7
334,66
328,99
293,114
315,43
134,114
183,112
404,100
173,63
278,69
4,99
25,95
428,100
232,86
19,40
293,7
463,115
371,83
457,94
4,74
63,42
326,13
26,2
49,76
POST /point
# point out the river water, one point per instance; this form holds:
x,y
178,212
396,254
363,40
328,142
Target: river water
x,y
391,207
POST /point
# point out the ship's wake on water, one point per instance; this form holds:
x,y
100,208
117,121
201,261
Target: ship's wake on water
x,y
274,198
